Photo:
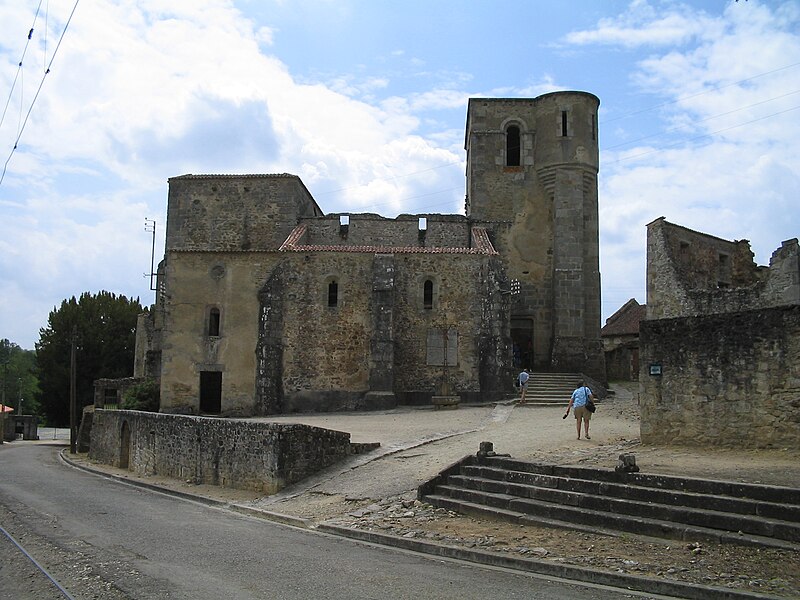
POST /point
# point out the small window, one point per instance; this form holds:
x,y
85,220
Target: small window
x,y
427,294
594,126
333,293
512,146
423,223
564,123
213,322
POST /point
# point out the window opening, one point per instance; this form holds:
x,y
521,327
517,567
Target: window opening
x,y
427,294
213,322
423,223
333,293
512,146
563,123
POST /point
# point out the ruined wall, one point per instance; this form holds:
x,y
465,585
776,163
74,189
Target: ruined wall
x,y
264,457
464,287
326,348
692,273
444,231
729,380
234,212
228,282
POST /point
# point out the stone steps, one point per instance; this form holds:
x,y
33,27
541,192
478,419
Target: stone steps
x,y
607,501
550,388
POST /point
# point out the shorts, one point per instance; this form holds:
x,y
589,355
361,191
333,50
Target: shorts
x,y
582,413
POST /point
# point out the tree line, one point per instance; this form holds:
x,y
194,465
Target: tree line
x,y
101,328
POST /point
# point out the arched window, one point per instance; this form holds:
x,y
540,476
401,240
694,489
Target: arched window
x,y
512,146
333,293
427,294
213,322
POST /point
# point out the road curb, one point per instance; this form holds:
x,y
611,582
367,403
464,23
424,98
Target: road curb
x,y
563,571
540,567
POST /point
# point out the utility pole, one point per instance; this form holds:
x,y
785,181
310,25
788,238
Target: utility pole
x,y
73,430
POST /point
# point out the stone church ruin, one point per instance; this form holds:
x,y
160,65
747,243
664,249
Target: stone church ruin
x,y
267,305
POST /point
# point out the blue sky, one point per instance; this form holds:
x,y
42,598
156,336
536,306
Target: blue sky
x,y
366,102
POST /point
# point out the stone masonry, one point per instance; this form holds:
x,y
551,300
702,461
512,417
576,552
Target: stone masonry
x,y
266,305
720,348
264,457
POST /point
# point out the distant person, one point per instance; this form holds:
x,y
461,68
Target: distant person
x,y
523,384
580,396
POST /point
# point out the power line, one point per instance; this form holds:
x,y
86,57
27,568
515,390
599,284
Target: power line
x,y
19,66
700,137
673,129
708,91
39,89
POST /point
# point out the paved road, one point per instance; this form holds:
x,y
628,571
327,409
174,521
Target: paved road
x,y
103,539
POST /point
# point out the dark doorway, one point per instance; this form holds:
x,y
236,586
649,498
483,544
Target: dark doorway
x,y
125,446
211,392
522,338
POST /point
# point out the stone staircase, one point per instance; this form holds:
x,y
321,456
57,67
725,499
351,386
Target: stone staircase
x,y
612,502
550,388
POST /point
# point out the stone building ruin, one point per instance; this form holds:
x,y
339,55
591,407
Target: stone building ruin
x,y
267,305
720,347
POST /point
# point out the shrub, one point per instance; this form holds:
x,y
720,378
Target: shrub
x,y
142,396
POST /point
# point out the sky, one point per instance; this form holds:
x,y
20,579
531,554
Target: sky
x,y
365,100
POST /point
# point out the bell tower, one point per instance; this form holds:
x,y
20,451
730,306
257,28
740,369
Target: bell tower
x,y
532,168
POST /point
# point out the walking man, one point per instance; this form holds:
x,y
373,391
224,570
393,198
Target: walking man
x,y
580,396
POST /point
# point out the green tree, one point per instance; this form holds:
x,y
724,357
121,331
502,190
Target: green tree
x,y
104,327
18,378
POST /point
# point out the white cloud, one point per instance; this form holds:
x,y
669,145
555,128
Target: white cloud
x,y
723,157
141,92
644,25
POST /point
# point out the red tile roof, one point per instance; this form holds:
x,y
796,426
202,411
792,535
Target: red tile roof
x,y
626,320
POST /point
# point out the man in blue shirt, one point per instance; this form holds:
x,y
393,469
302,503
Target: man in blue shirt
x,y
578,401
523,384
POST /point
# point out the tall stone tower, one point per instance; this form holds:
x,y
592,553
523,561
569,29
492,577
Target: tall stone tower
x,y
532,182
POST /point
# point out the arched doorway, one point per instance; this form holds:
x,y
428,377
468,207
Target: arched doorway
x,y
125,446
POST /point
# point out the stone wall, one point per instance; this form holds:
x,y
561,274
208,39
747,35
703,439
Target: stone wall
x,y
234,212
264,457
692,273
228,282
729,380
443,231
542,215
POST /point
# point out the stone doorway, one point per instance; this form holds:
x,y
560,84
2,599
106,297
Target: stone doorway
x,y
522,342
211,392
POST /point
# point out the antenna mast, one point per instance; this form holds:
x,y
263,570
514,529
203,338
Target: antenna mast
x,y
150,226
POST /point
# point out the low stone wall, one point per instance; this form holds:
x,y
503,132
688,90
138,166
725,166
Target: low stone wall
x,y
264,457
726,380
